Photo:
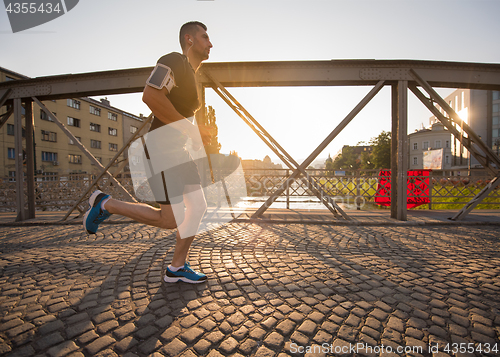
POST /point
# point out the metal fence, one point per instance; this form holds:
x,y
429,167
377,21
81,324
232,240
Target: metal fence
x,y
354,189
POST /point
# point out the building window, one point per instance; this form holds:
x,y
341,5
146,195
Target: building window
x,y
447,144
425,145
71,142
49,136
73,122
438,144
49,156
133,129
11,130
112,116
95,110
112,131
495,108
44,116
447,159
73,103
95,144
47,176
415,160
75,159
95,127
496,95
113,147
11,153
415,146
12,176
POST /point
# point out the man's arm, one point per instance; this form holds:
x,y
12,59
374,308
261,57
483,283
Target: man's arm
x,y
165,111
160,105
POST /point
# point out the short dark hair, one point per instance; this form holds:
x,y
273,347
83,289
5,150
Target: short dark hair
x,y
190,28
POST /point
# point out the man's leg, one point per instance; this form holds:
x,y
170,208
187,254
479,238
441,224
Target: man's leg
x,y
196,205
168,217
180,270
163,217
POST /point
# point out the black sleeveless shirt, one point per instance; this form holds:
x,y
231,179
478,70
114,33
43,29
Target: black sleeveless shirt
x,y
184,96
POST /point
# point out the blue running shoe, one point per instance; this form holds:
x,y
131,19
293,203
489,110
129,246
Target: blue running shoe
x,y
185,274
95,215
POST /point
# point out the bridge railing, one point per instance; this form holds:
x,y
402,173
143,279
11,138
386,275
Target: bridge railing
x,y
354,189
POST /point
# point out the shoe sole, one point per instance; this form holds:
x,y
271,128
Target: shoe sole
x,y
91,203
186,280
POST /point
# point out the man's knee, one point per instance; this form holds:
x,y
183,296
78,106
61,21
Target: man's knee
x,y
200,208
169,222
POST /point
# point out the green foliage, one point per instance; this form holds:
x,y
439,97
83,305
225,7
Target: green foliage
x,y
378,158
347,160
210,120
381,154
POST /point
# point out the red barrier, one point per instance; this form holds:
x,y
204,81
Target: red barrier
x,y
417,188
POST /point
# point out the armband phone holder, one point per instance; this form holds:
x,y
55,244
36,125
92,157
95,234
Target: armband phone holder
x,y
162,76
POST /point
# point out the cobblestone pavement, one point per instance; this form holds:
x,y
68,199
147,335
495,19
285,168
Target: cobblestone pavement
x,y
273,290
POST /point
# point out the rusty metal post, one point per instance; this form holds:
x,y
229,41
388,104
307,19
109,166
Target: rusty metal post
x,y
18,150
402,176
30,157
394,151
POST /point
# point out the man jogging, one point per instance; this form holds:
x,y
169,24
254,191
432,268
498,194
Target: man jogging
x,y
171,94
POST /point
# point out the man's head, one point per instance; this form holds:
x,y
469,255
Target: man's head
x,y
195,42
188,32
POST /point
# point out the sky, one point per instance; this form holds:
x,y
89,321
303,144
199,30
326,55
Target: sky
x,y
100,35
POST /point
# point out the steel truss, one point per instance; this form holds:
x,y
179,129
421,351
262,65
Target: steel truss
x,y
401,75
467,137
287,158
104,170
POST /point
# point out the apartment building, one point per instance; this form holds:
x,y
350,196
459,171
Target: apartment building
x,y
100,127
480,109
434,138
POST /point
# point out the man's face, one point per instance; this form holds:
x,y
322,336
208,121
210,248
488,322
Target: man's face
x,y
202,44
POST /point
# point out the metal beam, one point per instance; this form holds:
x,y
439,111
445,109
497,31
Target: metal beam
x,y
289,73
18,151
301,169
30,157
4,117
477,199
489,154
105,171
82,147
394,151
429,103
402,177
257,74
274,146
79,85
351,72
5,96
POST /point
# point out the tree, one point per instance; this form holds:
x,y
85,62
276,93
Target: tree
x,y
366,161
381,153
210,120
352,159
346,160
